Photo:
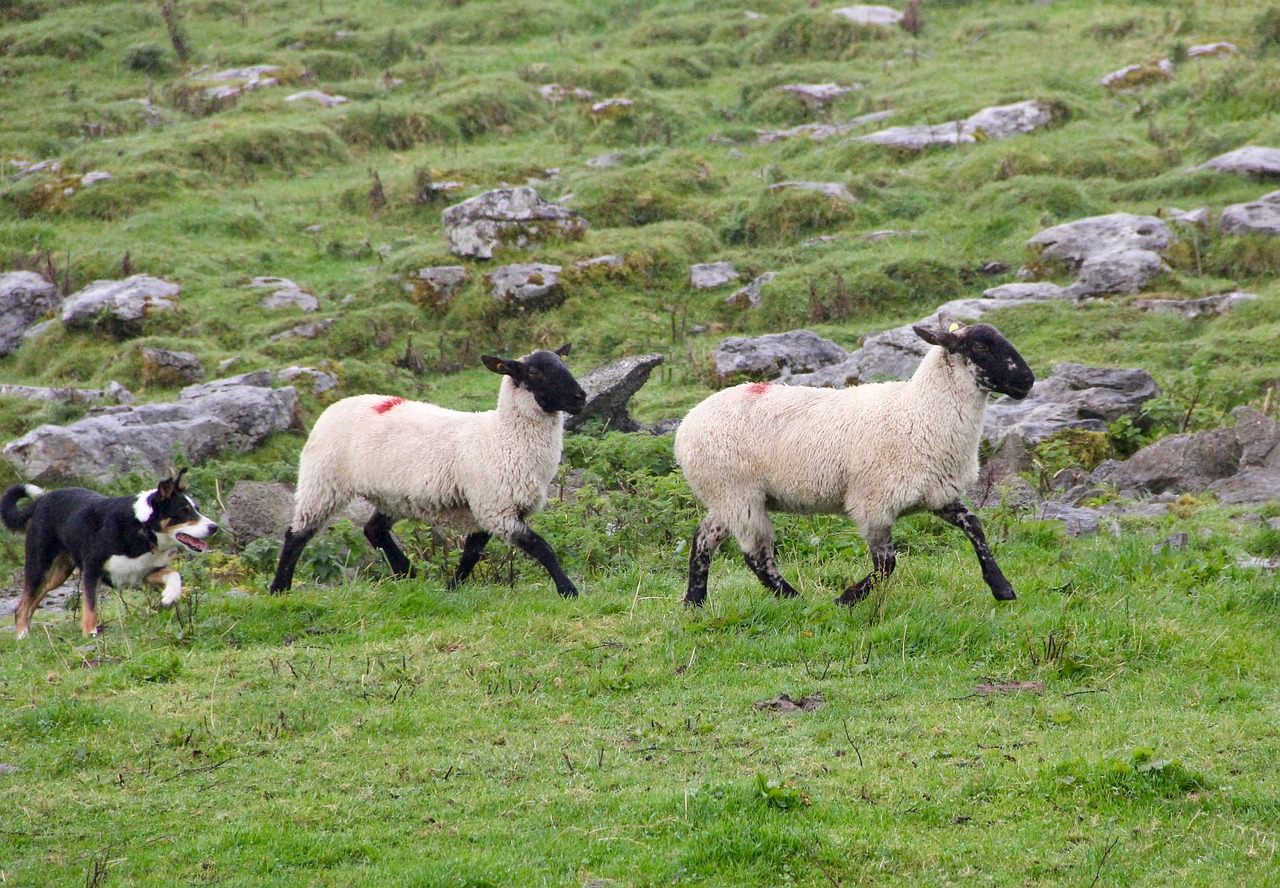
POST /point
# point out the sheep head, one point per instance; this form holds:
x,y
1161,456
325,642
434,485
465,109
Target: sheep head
x,y
997,366
544,375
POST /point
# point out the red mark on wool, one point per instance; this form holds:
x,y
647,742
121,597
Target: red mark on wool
x,y
759,388
386,405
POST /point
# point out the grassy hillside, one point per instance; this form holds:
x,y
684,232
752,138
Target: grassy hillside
x,y
1114,726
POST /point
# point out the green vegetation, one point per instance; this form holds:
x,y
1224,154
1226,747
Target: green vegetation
x,y
1113,726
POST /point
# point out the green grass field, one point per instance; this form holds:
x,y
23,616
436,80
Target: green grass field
x,y
1116,725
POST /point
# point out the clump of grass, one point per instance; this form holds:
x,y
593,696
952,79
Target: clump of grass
x,y
785,215
816,35
147,58
248,147
63,42
647,193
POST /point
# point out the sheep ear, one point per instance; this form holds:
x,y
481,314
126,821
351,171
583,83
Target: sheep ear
x,y
563,351
944,338
498,365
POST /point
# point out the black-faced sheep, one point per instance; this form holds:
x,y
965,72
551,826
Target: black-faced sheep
x,y
872,452
484,473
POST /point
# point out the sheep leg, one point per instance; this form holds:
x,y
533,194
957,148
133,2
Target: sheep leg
x,y
377,530
956,513
762,565
528,541
883,561
290,552
472,550
711,533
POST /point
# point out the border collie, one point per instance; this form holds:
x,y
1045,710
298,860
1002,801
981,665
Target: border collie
x,y
120,541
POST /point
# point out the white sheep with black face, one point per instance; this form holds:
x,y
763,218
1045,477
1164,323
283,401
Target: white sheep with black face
x,y
871,452
483,473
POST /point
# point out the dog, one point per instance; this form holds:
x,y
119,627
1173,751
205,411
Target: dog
x,y
120,541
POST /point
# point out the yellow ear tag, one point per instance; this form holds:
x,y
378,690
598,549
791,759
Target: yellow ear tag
x,y
953,328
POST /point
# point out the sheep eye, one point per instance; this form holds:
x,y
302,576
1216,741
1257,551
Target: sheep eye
x,y
980,346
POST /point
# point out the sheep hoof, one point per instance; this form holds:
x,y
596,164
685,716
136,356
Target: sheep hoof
x,y
690,601
569,591
852,596
1004,593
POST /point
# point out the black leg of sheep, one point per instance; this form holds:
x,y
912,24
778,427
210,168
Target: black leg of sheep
x,y
956,513
763,566
528,541
883,561
472,550
378,532
290,552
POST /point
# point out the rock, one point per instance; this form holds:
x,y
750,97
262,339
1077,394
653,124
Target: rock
x,y
1211,50
817,96
310,330
285,294
324,99
1208,306
163,367
1077,520
111,441
555,93
1254,485
1074,397
870,15
438,285
605,161
235,81
529,285
511,217
611,262
1116,253
886,233
1178,463
710,275
118,306
774,353
1132,77
1251,161
25,297
95,177
820,131
834,190
1040,291
321,381
263,510
1259,438
1009,456
1198,217
615,107
998,122
1261,216
114,393
610,388
749,296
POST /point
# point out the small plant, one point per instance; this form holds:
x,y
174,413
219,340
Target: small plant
x,y
146,58
781,794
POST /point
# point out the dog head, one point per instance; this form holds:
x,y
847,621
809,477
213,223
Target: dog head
x,y
172,516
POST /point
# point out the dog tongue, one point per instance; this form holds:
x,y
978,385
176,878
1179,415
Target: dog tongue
x,y
198,545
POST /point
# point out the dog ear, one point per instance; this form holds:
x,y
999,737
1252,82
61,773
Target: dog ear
x,y
177,482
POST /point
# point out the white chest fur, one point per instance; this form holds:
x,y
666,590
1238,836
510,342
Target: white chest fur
x,y
125,571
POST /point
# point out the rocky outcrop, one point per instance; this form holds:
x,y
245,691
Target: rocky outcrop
x,y
1117,253
817,96
25,298
258,510
769,355
324,99
437,286
1261,216
507,217
710,275
163,367
1204,307
749,296
284,294
818,132
610,389
527,286
118,307
114,393
999,122
1074,397
834,190
231,414
870,15
1250,161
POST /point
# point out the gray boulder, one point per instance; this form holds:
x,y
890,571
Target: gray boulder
x,y
774,353
1178,463
710,275
118,306
1205,307
609,390
834,190
1039,291
114,393
1245,161
309,330
324,99
1078,521
1119,272
25,297
285,294
821,131
163,367
817,96
511,217
999,122
870,15
529,285
110,441
749,296
437,286
320,380
1074,397
257,510
1261,216
1116,253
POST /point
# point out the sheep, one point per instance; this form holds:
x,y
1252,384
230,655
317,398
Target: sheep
x,y
872,452
484,473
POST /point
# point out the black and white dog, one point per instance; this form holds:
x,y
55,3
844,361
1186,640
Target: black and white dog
x,y
120,541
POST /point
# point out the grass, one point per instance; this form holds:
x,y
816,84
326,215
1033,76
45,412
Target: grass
x,y
369,731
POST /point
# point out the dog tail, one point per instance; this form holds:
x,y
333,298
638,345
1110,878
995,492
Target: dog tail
x,y
14,518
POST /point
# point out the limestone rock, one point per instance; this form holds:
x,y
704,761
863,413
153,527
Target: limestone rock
x,y
749,296
528,285
774,353
114,393
834,190
1039,291
710,275
1133,77
1212,50
513,217
1205,307
610,388
817,132
25,297
111,441
1261,216
870,15
309,330
438,285
1116,253
285,294
1078,521
163,367
257,510
1073,397
1250,161
118,306
324,99
999,122
817,96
